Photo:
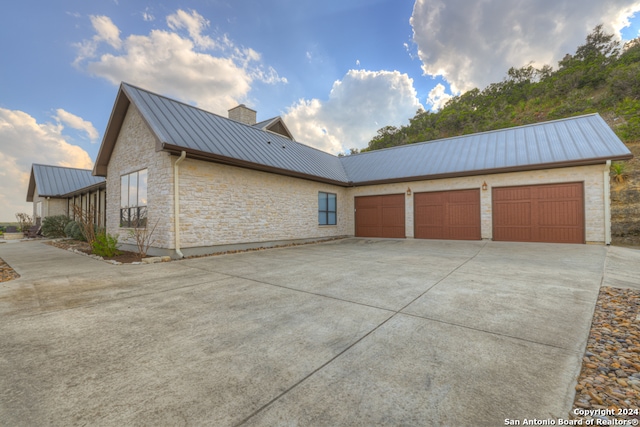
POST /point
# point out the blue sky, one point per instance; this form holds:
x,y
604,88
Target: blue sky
x,y
337,70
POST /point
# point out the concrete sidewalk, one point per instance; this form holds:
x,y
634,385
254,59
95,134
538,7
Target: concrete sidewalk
x,y
350,332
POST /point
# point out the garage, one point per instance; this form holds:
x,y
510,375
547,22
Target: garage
x,y
551,213
380,216
452,215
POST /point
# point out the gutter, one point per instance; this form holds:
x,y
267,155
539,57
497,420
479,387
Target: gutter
x,y
607,205
176,200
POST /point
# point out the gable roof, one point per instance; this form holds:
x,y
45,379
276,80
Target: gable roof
x,y
177,126
276,125
582,140
182,127
58,181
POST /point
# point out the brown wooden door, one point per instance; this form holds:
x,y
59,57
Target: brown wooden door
x,y
453,215
539,213
380,216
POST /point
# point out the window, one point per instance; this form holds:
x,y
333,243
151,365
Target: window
x,y
133,199
326,208
39,209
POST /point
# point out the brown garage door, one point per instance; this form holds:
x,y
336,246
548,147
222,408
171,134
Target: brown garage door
x,y
451,215
380,216
539,213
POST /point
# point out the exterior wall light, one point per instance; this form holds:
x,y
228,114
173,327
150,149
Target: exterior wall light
x,y
408,191
484,186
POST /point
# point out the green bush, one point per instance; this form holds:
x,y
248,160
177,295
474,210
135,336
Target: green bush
x,y
53,226
105,245
73,230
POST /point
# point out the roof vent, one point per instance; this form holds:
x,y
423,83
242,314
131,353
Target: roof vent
x,y
243,114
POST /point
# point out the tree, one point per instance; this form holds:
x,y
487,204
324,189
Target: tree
x,y
588,67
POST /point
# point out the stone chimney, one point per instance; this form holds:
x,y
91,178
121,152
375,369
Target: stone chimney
x,y
243,114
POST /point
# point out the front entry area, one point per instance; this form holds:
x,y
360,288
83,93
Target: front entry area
x,y
380,216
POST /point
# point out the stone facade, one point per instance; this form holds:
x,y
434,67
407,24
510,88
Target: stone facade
x,y
136,150
49,206
222,205
592,176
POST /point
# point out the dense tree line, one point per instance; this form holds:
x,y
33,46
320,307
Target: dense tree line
x,y
601,76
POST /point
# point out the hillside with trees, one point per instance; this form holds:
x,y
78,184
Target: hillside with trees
x,y
602,76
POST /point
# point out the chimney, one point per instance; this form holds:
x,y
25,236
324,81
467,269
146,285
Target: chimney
x,y
243,114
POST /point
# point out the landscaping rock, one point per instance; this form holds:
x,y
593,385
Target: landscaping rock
x,y
6,272
151,260
609,376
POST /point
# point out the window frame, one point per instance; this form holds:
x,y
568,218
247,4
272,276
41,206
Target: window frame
x,y
327,211
134,216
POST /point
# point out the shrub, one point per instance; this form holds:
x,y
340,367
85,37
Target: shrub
x,y
53,226
618,171
72,229
105,245
24,220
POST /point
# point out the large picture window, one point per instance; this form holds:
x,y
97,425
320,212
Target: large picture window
x,y
326,208
133,199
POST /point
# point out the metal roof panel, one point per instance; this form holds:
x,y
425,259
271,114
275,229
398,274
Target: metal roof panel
x,y
573,140
56,181
181,125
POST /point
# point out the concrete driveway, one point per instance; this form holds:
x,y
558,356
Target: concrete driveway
x,y
355,332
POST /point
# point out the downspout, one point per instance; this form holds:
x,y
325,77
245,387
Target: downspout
x,y
607,205
176,201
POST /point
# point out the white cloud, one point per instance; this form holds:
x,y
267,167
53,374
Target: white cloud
x,y
78,123
182,62
24,141
438,97
147,15
473,44
194,23
106,31
358,105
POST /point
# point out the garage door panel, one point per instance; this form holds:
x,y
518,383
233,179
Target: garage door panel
x,y
559,213
516,234
367,217
513,213
501,194
380,216
447,215
459,215
435,232
539,213
429,215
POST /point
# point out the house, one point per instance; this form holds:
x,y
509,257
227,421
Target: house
x,y
55,190
209,183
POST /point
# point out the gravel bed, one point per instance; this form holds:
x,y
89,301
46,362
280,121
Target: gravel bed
x,y
609,382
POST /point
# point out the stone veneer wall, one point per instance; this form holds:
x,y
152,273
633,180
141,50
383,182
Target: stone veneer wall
x,y
223,205
134,150
592,176
50,207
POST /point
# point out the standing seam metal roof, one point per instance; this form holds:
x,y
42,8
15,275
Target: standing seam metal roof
x,y
577,140
56,181
182,125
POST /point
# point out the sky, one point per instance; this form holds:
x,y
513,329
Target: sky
x,y
336,71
